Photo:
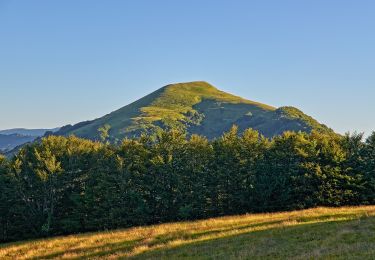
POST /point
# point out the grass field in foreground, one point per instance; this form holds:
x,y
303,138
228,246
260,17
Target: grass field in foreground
x,y
347,233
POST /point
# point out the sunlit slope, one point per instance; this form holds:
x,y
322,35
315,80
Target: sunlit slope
x,y
198,108
340,233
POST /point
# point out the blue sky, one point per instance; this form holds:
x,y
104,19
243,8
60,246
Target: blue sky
x,y
67,61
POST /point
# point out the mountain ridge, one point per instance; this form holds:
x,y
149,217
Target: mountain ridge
x,y
28,132
12,138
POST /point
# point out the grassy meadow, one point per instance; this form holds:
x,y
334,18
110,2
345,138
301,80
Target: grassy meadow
x,y
333,233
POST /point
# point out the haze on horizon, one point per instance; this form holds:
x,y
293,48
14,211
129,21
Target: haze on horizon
x,y
66,62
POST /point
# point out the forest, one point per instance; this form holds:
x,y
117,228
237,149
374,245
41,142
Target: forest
x,y
66,185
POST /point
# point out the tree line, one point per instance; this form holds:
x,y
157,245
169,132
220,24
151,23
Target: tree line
x,y
64,185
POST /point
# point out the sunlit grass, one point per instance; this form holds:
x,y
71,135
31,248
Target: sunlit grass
x,y
178,99
313,233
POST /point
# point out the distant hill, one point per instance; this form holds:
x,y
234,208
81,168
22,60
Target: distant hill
x,y
11,138
27,132
8,142
198,108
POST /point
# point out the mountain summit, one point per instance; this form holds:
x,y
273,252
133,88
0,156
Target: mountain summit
x,y
198,108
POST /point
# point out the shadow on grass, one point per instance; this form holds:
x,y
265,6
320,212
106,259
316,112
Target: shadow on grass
x,y
124,247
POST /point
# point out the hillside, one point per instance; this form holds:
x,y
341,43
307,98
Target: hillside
x,y
343,233
198,108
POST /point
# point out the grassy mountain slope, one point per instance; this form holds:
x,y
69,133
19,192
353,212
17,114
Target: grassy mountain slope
x,y
197,107
340,233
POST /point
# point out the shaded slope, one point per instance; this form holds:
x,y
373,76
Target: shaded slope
x,y
198,108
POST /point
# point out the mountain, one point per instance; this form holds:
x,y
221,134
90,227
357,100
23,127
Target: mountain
x,y
27,132
11,138
197,107
8,142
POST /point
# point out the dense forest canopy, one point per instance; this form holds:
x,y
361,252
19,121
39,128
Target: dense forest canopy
x,y
63,185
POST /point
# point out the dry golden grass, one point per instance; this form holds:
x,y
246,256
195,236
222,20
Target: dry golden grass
x,y
347,232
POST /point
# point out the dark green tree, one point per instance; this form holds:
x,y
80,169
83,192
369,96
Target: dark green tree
x,y
6,201
192,163
368,167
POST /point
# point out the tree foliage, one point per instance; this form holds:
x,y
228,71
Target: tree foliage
x,y
65,185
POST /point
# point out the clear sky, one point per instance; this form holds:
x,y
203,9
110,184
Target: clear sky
x,y
67,61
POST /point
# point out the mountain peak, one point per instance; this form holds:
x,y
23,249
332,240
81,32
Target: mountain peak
x,y
197,83
196,91
192,85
